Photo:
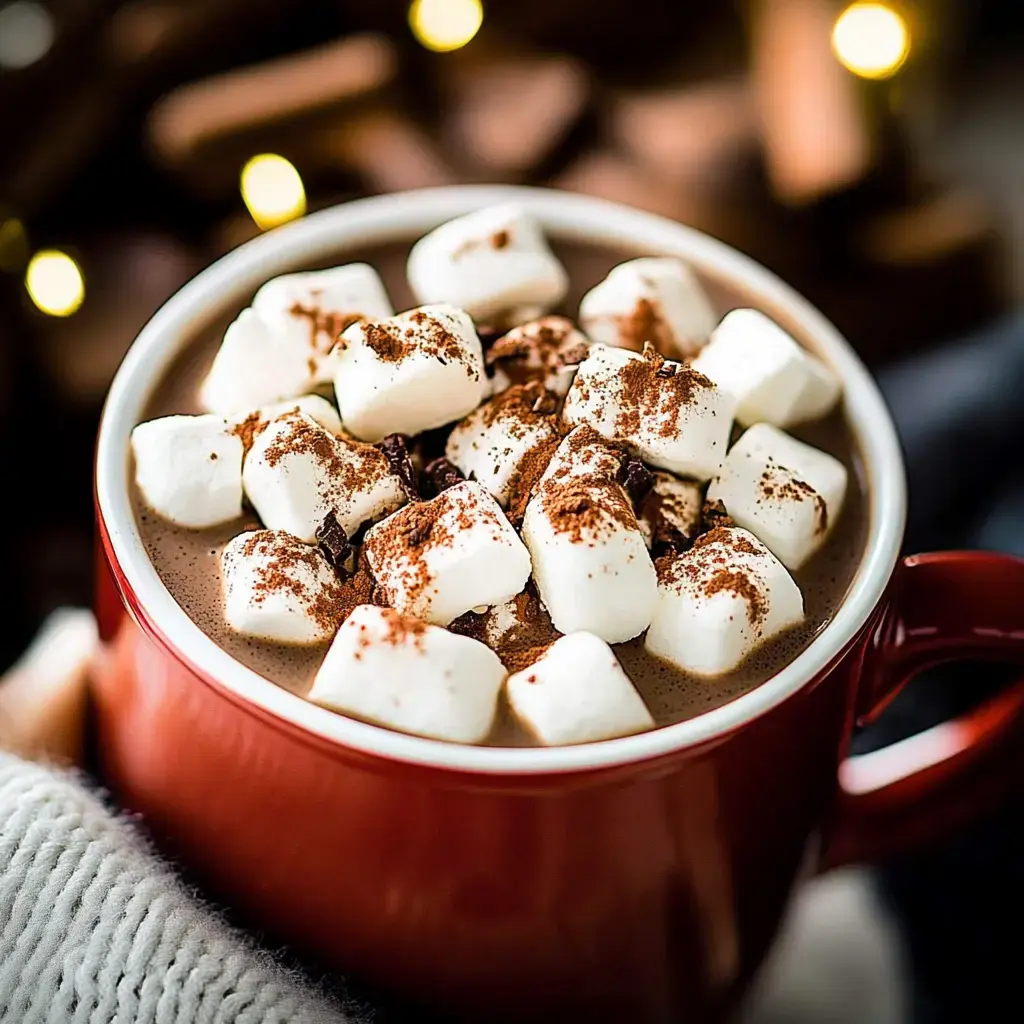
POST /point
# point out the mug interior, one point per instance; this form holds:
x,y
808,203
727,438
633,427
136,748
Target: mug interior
x,y
402,216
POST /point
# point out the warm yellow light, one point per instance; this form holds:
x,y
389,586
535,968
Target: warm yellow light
x,y
55,283
871,40
444,25
272,190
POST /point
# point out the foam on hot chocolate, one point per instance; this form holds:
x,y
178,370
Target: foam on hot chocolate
x,y
575,489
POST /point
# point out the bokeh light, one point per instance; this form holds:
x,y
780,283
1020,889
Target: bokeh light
x,y
444,25
272,190
26,33
13,243
871,40
55,283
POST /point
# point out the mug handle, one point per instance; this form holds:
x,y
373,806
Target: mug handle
x,y
941,607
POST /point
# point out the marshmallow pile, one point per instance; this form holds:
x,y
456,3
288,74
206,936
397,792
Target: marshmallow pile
x,y
577,469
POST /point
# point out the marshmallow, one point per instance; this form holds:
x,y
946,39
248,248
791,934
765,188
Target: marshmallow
x,y
592,568
656,299
493,263
788,494
498,444
576,692
276,588
439,558
255,366
316,408
668,414
671,511
296,472
189,469
314,308
411,373
395,670
546,350
585,453
773,379
719,601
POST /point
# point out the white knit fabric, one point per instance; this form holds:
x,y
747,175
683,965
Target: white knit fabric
x,y
95,929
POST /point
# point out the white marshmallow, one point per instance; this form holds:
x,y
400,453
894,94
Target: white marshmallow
x,y
296,472
492,443
680,423
671,504
593,571
576,692
316,408
493,263
189,469
395,670
440,558
547,350
276,588
786,493
719,601
585,453
255,366
411,373
314,308
656,299
773,379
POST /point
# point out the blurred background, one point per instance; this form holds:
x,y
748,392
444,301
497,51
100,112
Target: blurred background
x,y
871,153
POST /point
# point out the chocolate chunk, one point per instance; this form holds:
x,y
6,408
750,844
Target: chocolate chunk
x,y
334,543
671,542
396,451
713,516
665,370
488,335
442,474
636,478
545,404
418,533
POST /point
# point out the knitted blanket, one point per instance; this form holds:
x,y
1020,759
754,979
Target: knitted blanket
x,y
94,928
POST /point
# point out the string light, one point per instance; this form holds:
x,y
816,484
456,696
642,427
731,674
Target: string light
x,y
444,25
55,283
871,40
26,34
272,190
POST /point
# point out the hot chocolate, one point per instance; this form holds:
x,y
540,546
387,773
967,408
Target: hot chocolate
x,y
487,519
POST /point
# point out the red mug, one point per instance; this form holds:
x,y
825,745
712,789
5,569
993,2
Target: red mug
x,y
636,879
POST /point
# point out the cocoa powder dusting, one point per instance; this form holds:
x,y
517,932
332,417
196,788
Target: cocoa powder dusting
x,y
778,482
736,581
325,326
583,507
401,628
248,429
387,341
646,324
526,476
649,399
349,465
288,560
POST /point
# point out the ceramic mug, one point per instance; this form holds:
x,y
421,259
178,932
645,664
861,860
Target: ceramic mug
x,y
635,879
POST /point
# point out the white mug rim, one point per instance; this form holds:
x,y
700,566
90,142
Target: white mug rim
x,y
398,215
